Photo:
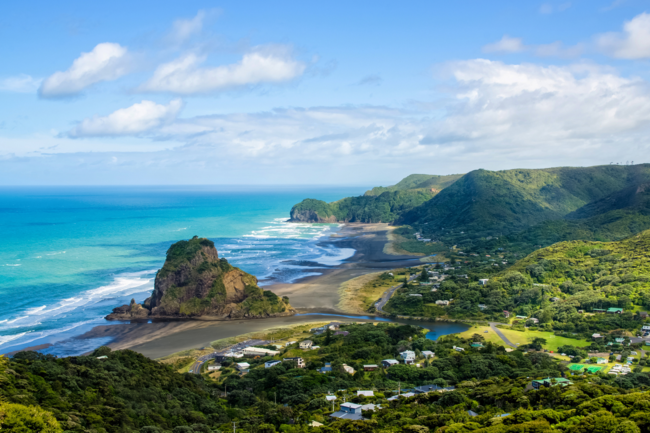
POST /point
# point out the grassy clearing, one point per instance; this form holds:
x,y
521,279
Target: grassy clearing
x,y
552,341
359,294
394,246
490,335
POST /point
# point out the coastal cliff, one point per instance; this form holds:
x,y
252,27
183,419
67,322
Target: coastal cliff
x,y
195,282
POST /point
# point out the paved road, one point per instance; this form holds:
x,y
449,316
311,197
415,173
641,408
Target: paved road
x,y
196,367
379,305
500,334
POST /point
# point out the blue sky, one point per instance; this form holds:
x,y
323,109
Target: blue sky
x,y
304,93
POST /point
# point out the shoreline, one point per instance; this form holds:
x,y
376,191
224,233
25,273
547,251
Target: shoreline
x,y
313,294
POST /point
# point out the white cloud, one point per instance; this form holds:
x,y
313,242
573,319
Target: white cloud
x,y
548,8
505,45
632,43
508,44
262,65
133,120
20,84
106,62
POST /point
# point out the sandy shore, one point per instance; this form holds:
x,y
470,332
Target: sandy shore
x,y
315,294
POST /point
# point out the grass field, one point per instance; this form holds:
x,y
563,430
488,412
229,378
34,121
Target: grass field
x,y
360,293
552,341
490,335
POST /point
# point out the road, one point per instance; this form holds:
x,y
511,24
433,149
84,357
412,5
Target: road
x,y
379,305
196,367
500,334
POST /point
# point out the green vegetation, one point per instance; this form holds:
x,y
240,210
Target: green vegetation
x,y
127,393
386,207
537,207
417,181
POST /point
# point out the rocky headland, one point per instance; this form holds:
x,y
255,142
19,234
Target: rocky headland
x,y
195,283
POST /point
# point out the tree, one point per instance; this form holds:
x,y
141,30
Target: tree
x,y
27,419
328,336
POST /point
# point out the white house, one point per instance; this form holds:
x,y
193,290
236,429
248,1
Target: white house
x,y
347,369
300,363
415,294
483,281
259,351
389,362
269,364
214,367
330,397
459,349
241,366
646,327
428,354
366,393
408,356
445,303
306,344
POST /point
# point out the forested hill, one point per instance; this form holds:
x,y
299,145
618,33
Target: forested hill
x,y
537,206
417,181
380,204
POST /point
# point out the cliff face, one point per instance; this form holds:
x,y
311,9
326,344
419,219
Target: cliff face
x,y
310,216
195,282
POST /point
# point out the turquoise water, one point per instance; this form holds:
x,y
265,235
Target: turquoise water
x,y
68,255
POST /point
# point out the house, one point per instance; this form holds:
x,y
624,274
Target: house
x,y
327,368
347,369
645,327
554,299
405,395
434,290
483,281
349,411
344,333
241,366
370,367
614,311
315,424
259,351
428,354
330,397
619,340
619,357
482,306
269,364
300,363
102,357
334,326
601,361
506,313
366,393
459,349
445,303
521,317
548,382
595,336
476,345
643,314
534,320
415,294
408,356
289,343
215,367
389,362
315,347
429,388
306,344
471,413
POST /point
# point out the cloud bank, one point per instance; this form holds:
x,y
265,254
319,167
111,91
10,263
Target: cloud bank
x,y
186,76
133,120
106,62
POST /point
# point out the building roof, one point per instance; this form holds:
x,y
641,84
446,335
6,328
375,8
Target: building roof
x,y
330,397
366,393
351,405
614,310
347,415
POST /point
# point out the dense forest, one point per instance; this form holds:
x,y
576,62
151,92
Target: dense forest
x,y
487,389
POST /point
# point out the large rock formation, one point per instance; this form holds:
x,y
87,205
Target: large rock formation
x,y
195,282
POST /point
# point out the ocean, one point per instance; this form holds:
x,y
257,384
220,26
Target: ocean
x,y
69,255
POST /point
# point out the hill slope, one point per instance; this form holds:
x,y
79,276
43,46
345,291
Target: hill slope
x,y
381,204
486,203
417,181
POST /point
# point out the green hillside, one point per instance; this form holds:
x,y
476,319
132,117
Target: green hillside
x,y
417,181
484,203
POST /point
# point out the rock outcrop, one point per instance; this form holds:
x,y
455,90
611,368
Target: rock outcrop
x,y
195,282
312,211
310,216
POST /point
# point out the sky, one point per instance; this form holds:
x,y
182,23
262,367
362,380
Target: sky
x,y
306,93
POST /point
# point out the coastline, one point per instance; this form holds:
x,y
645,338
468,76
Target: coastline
x,y
315,294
